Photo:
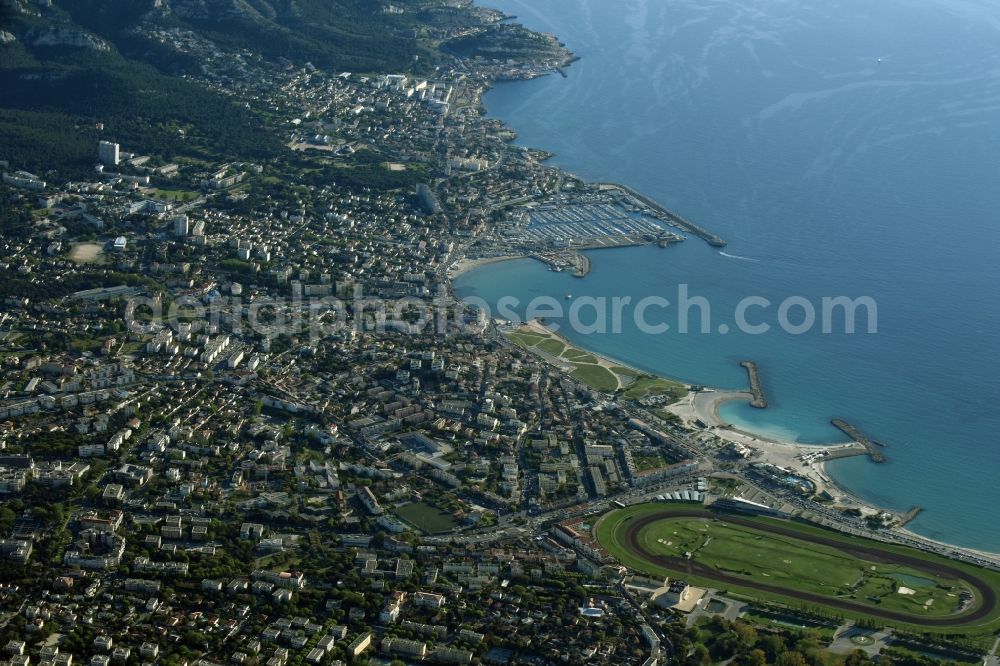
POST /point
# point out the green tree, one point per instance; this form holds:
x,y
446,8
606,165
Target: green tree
x,y
857,658
791,659
700,655
746,633
7,518
772,645
752,658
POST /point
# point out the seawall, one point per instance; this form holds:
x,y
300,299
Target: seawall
x,y
669,216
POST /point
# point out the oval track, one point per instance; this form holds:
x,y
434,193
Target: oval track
x,y
988,597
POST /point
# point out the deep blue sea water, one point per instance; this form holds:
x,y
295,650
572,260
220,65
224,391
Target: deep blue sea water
x,y
842,148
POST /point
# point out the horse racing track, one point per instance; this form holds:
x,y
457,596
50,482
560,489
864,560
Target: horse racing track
x,y
794,562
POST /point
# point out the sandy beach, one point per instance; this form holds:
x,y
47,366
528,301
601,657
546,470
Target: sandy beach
x,y
466,265
704,407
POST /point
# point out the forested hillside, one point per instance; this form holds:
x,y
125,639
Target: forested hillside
x,y
70,64
355,35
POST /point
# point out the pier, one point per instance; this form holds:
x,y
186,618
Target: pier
x,y
756,387
667,239
669,216
872,447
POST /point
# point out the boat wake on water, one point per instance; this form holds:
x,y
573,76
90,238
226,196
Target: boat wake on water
x,y
736,256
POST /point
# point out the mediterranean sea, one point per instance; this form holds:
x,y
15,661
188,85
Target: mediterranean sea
x,y
842,149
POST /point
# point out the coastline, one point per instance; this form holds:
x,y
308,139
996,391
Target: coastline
x,y
612,365
464,265
699,412
781,452
602,360
704,406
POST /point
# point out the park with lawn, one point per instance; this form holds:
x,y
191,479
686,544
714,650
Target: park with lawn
x,y
594,371
797,563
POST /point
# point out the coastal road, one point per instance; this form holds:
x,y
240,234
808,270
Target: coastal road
x,y
987,595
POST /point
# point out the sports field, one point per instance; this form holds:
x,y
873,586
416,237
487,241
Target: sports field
x,y
427,517
790,561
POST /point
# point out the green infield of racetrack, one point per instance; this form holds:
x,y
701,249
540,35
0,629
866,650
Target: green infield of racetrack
x,y
803,565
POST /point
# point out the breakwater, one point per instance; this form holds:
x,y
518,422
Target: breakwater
x,y
851,452
756,387
872,447
668,215
909,516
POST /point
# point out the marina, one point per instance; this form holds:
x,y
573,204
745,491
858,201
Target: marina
x,y
590,226
667,216
555,229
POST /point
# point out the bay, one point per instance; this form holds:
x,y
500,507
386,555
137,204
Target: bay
x,y
841,148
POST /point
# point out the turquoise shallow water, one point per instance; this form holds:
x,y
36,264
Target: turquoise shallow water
x,y
841,149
